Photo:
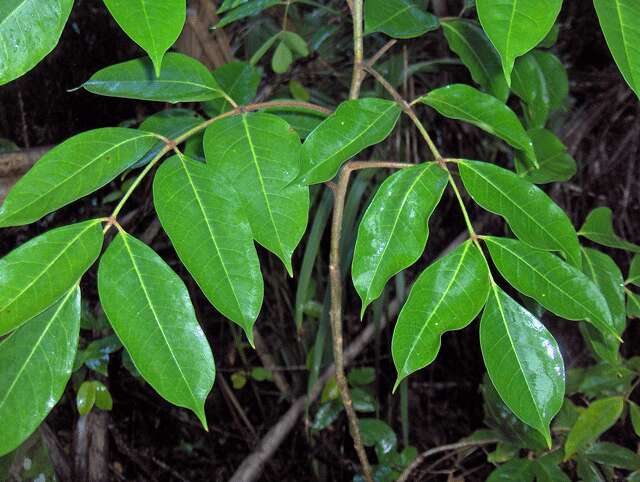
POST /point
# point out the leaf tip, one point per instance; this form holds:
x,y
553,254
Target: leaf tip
x,y
202,417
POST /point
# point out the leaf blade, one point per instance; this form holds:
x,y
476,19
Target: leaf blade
x,y
397,18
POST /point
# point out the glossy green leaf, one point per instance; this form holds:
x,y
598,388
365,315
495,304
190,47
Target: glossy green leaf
x,y
153,25
634,271
599,417
600,380
447,296
528,83
327,414
71,170
203,216
556,285
633,305
363,401
35,365
354,126
171,123
394,229
181,79
555,164
523,361
36,274
521,470
607,453
246,9
598,227
516,26
230,4
606,275
86,397
261,153
149,308
239,80
295,42
634,415
531,214
103,396
463,102
29,30
361,376
397,18
376,433
619,22
467,39
555,76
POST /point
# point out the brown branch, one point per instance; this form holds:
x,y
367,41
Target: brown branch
x,y
358,48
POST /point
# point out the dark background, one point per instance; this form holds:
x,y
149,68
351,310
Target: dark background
x,y
151,440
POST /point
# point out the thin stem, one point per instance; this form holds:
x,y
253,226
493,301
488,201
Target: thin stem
x,y
358,165
407,109
463,208
335,314
358,48
385,48
286,14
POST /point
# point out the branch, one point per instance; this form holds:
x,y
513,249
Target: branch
x,y
358,48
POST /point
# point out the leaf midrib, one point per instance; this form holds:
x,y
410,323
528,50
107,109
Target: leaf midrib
x,y
435,309
48,266
98,82
13,12
155,315
36,345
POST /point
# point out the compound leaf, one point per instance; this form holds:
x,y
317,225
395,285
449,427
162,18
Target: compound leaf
x,y
149,309
447,296
35,365
397,18
203,217
523,361
261,154
154,25
531,214
556,285
394,229
36,274
181,79
516,26
71,170
463,102
354,126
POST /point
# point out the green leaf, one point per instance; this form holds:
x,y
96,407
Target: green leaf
x,y
555,76
394,229
363,401
598,227
551,38
203,217
528,83
376,433
523,361
634,414
467,39
599,417
633,305
86,397
600,380
71,170
230,4
634,271
29,30
239,80
327,414
532,215
587,471
149,308
447,296
103,397
397,18
463,102
521,470
261,374
260,153
153,25
238,380
282,58
35,365
38,273
181,79
171,123
295,43
607,453
361,376
354,126
245,9
556,285
555,164
618,19
516,26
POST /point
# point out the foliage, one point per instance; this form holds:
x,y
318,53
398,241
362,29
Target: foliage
x,y
247,175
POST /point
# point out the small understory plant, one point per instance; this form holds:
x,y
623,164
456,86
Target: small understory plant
x,y
231,172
